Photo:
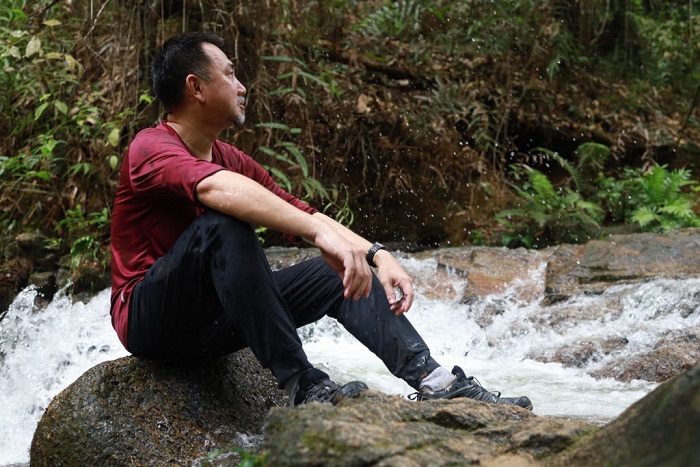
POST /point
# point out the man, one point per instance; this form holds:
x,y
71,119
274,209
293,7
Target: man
x,y
190,279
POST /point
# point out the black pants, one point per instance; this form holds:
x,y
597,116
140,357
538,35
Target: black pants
x,y
214,293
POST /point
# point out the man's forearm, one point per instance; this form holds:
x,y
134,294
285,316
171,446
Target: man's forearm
x,y
344,232
352,237
245,199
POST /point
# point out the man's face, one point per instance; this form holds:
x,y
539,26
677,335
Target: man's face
x,y
223,92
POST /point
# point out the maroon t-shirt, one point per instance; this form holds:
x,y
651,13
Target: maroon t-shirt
x,y
156,201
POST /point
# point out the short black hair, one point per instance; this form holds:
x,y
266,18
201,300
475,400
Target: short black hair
x,y
180,56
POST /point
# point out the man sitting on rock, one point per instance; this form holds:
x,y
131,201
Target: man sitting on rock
x,y
190,278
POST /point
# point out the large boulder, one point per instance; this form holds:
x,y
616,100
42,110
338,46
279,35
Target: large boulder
x,y
132,411
375,429
621,259
383,430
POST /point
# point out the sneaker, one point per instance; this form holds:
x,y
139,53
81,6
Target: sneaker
x,y
315,386
468,386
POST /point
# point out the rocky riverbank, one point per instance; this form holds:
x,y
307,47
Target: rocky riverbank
x,y
137,412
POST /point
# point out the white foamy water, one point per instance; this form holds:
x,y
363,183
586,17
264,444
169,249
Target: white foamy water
x,y
43,351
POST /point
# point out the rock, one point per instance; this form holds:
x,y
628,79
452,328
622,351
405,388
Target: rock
x,y
573,270
672,355
621,259
663,428
376,429
384,430
580,353
139,412
491,270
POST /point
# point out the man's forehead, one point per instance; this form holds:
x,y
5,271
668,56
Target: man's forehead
x,y
216,54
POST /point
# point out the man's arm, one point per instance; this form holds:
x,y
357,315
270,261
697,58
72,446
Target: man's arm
x,y
243,198
389,271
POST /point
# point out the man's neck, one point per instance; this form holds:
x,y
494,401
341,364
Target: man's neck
x,y
195,137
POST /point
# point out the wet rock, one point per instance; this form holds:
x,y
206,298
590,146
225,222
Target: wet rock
x,y
279,258
582,353
376,429
489,271
621,259
672,355
383,430
663,428
136,412
557,278
140,412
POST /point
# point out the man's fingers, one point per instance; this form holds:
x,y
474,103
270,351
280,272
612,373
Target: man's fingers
x,y
400,297
357,279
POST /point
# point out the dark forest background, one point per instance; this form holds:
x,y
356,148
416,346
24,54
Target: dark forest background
x,y
422,123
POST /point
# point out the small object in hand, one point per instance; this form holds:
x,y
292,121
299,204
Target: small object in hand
x,y
399,294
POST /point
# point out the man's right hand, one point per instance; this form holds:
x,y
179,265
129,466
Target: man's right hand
x,y
348,261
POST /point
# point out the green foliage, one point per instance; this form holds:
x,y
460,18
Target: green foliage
x,y
671,52
300,76
657,200
296,173
544,214
88,231
396,19
59,147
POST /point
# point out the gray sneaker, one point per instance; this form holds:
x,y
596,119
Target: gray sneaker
x,y
468,386
315,386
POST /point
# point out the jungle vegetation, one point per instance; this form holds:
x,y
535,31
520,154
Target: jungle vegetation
x,y
422,122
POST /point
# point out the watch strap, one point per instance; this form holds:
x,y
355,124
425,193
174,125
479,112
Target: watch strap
x,y
373,251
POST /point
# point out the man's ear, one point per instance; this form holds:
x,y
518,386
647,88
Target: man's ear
x,y
193,87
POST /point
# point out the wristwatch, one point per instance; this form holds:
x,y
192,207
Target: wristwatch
x,y
373,251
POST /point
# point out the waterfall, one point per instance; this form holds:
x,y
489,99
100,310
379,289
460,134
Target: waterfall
x,y
495,339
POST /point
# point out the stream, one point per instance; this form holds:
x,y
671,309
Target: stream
x,y
42,351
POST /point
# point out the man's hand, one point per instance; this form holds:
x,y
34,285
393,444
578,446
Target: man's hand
x,y
394,278
348,261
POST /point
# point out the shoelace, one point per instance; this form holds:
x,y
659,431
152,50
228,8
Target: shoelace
x,y
472,380
323,391
476,382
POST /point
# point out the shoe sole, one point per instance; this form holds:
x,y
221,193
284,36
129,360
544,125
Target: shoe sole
x,y
463,391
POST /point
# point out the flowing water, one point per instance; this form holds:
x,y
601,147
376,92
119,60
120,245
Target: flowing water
x,y
43,351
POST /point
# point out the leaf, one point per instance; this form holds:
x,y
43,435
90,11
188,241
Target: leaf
x,y
113,161
301,160
282,178
268,151
14,52
40,110
61,107
51,23
113,137
33,47
274,126
644,216
42,174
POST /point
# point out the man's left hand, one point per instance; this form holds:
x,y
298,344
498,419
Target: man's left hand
x,y
394,279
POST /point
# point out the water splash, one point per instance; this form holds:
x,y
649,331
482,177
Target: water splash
x,y
41,353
